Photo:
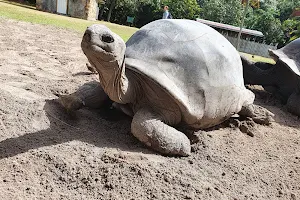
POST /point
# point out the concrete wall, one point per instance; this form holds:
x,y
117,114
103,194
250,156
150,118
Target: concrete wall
x,y
248,44
46,5
77,8
85,9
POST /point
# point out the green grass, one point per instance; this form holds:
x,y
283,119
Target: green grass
x,y
30,14
256,58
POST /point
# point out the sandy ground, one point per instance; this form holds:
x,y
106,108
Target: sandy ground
x,y
44,154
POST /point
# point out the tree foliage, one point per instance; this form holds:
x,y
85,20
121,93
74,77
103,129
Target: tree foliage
x,y
272,18
290,25
265,21
145,11
268,4
291,28
183,9
296,32
286,7
227,12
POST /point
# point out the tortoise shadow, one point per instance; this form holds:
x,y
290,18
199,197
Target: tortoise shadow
x,y
87,126
97,127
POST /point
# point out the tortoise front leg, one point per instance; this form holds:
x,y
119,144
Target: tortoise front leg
x,y
150,129
90,95
293,104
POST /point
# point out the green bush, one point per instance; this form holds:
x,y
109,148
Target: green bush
x,y
183,9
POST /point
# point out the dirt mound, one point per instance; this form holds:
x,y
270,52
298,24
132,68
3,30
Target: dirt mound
x,y
46,155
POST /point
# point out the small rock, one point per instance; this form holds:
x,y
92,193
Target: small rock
x,y
139,173
293,196
217,189
194,148
234,123
208,158
84,181
109,186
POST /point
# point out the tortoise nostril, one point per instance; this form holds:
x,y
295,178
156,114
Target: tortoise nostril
x,y
107,38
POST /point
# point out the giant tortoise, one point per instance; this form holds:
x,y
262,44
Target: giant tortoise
x,y
282,79
170,73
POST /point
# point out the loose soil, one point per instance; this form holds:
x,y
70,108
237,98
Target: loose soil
x,y
46,154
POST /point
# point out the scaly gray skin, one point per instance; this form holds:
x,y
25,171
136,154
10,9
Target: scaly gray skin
x,y
147,81
281,79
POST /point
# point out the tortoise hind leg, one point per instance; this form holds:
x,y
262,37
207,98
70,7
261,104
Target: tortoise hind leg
x,y
90,95
259,114
293,104
152,131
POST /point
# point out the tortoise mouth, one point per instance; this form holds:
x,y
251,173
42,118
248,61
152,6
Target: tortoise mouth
x,y
93,48
98,52
99,43
99,49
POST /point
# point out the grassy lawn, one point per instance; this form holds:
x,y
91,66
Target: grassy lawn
x,y
30,14
256,58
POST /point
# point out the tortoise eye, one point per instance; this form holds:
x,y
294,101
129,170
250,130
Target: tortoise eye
x,y
107,38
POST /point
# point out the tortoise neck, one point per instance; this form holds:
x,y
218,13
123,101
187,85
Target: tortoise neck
x,y
118,83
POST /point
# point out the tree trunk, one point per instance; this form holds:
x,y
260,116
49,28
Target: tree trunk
x,y
112,5
100,16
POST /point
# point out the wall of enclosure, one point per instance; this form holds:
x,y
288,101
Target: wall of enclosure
x,y
249,44
85,9
252,47
44,5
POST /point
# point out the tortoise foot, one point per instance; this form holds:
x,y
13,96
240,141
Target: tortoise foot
x,y
247,126
293,104
71,102
259,114
153,132
90,95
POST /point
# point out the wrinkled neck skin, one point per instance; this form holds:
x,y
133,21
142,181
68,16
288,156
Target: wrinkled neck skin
x,y
117,83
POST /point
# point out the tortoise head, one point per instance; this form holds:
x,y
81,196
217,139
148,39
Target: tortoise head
x,y
102,46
